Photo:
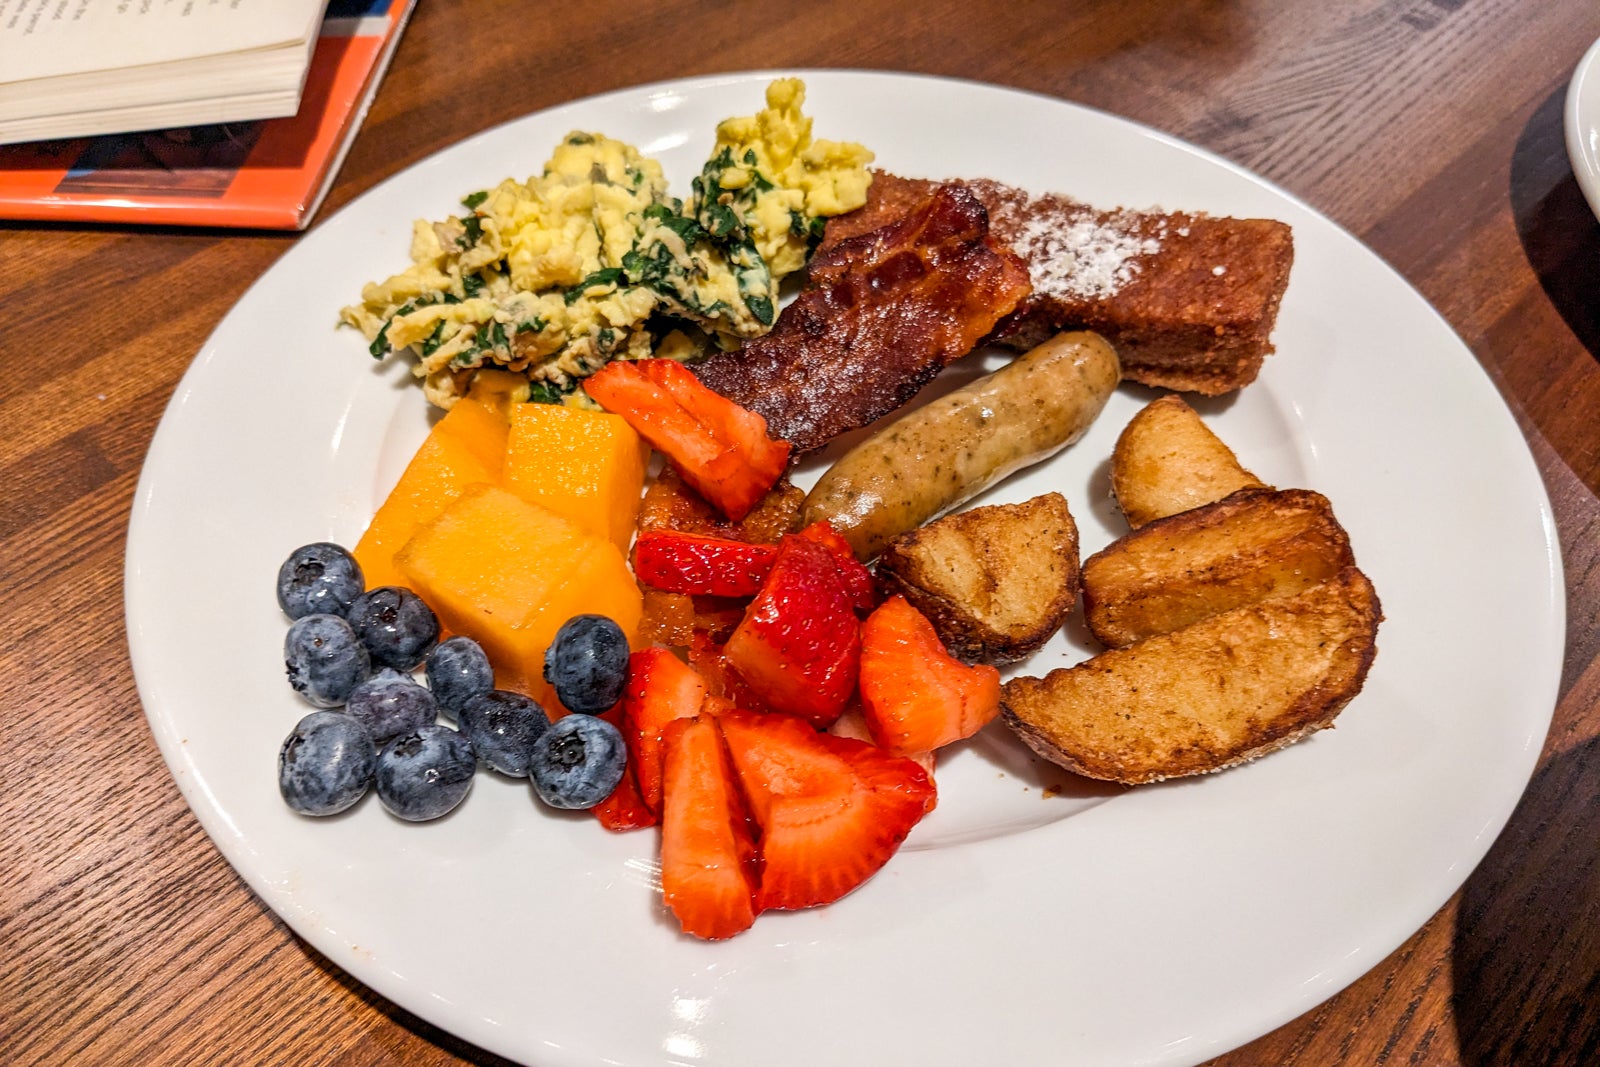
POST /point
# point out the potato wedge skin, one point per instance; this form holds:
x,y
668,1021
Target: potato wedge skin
x,y
1167,461
1174,571
1215,694
996,581
948,451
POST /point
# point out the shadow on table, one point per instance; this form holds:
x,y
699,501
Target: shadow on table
x,y
1527,944
1559,233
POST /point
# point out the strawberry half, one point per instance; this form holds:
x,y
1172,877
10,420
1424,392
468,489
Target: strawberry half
x,y
798,645
708,856
723,683
661,688
693,563
915,695
624,809
831,810
857,579
854,724
721,449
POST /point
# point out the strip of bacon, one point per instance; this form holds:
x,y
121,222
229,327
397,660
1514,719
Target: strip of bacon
x,y
881,315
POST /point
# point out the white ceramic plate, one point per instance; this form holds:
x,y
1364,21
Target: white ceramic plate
x,y
1583,125
1031,918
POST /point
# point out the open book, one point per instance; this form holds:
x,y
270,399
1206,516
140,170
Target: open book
x,y
69,68
270,173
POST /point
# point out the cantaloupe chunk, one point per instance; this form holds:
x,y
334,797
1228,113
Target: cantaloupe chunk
x,y
586,465
482,427
467,447
508,574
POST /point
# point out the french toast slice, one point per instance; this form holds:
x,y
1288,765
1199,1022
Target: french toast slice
x,y
1188,300
1167,460
996,581
1251,545
1212,695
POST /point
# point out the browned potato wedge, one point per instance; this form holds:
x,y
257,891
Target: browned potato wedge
x,y
1166,460
1175,571
1218,693
995,581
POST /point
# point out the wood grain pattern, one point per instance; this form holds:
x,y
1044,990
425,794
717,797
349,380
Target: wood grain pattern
x,y
1429,128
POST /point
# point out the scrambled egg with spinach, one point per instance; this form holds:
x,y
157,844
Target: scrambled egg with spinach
x,y
593,260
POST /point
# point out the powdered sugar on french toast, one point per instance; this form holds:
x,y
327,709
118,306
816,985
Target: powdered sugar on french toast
x,y
1085,258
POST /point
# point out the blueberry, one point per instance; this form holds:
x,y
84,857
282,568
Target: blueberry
x,y
424,774
326,764
395,625
588,663
577,762
391,703
458,670
503,727
324,658
319,579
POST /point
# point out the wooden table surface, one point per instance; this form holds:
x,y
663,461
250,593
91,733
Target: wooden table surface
x,y
1431,129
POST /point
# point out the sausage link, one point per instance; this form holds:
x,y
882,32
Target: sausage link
x,y
953,448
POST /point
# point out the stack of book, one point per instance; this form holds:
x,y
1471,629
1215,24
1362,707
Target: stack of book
x,y
243,108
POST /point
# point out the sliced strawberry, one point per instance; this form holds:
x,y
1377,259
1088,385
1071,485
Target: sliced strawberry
x,y
733,425
854,724
798,646
661,688
857,579
623,388
915,695
708,855
692,563
710,660
720,448
624,809
831,810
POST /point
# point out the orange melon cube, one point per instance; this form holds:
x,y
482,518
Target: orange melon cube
x,y
508,573
586,465
467,447
480,426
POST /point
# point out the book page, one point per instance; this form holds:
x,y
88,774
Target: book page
x,y
43,38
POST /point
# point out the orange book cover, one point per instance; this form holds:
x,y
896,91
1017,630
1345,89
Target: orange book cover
x,y
270,174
